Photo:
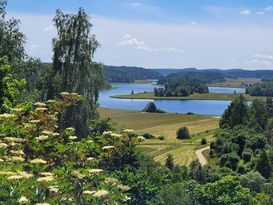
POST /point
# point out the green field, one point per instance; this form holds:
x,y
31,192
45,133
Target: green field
x,y
237,82
195,96
166,124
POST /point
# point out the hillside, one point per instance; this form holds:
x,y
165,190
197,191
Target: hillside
x,y
125,74
231,73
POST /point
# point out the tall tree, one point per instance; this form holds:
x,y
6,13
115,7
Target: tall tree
x,y
12,40
236,113
73,67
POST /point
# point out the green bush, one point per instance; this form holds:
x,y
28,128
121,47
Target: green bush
x,y
203,141
183,133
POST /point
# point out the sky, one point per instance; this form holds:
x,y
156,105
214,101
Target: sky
x,y
221,34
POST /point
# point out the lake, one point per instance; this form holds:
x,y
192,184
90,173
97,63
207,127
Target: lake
x,y
205,107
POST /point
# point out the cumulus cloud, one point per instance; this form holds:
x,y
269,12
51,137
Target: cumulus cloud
x,y
246,13
128,40
269,8
260,13
136,4
48,28
261,61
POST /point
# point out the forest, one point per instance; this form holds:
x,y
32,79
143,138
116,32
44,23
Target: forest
x,y
185,84
264,88
55,148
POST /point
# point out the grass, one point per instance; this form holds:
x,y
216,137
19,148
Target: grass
x,y
237,82
195,96
211,161
183,151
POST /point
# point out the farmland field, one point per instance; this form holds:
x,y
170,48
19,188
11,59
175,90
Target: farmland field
x,y
165,124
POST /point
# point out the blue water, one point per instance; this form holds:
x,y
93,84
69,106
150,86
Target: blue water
x,y
206,107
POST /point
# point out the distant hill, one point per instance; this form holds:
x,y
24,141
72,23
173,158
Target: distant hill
x,y
232,73
125,74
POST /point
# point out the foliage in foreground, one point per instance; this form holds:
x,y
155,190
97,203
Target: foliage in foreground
x,y
39,163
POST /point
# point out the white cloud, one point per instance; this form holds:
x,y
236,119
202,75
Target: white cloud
x,y
48,28
261,61
193,23
269,8
137,4
128,40
246,13
260,13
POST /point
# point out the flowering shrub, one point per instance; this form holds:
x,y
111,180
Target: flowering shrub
x,y
40,164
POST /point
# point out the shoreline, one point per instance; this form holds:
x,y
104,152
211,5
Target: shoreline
x,y
195,96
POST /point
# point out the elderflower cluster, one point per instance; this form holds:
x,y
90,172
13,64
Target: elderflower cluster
x,y
7,116
38,161
101,193
42,138
45,179
95,171
107,147
23,200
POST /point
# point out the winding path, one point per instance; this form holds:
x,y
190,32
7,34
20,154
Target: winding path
x,y
203,161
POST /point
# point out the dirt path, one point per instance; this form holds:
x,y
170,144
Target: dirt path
x,y
203,161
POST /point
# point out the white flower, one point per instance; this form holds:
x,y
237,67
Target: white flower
x,y
23,200
88,192
38,161
111,180
90,159
19,152
77,174
6,173
128,130
101,193
55,134
39,104
46,179
107,147
41,109
70,129
107,133
7,116
123,187
3,145
42,204
64,93
17,159
141,138
42,138
46,174
54,189
34,121
18,110
51,101
95,171
15,177
25,175
14,139
46,132
72,137
1,160
116,135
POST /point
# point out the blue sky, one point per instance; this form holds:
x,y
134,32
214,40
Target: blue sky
x,y
160,33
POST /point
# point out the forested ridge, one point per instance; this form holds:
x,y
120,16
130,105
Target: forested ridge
x,y
185,84
55,149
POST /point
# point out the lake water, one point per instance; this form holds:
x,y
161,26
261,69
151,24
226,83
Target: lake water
x,y
206,107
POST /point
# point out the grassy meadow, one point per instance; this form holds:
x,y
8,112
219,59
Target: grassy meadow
x,y
165,124
237,82
195,96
